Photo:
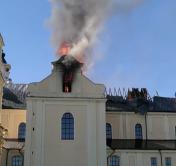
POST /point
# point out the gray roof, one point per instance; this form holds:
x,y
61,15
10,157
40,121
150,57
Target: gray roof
x,y
14,96
140,105
164,104
135,144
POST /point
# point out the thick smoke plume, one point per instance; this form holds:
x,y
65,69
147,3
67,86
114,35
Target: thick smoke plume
x,y
77,22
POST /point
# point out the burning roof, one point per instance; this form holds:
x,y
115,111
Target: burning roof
x,y
140,101
14,97
69,66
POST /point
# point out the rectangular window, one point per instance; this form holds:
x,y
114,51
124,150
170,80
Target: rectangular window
x,y
168,161
153,161
67,87
67,82
138,131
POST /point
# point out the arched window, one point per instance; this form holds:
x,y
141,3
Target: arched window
x,y
108,131
67,127
17,161
114,160
22,130
138,131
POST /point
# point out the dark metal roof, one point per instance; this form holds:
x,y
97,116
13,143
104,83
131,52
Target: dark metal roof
x,y
15,139
119,104
164,103
140,105
14,96
67,61
132,144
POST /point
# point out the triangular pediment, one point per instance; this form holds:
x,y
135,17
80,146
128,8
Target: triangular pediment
x,y
52,86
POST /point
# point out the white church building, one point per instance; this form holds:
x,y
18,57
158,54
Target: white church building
x,y
65,128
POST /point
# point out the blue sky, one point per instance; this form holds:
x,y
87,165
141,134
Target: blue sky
x,y
137,47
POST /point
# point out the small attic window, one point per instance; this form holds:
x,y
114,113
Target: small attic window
x,y
67,87
67,81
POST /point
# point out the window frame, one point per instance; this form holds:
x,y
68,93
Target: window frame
x,y
138,129
67,131
153,159
110,127
17,159
22,130
114,163
166,160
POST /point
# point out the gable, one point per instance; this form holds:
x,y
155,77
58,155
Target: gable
x,y
51,86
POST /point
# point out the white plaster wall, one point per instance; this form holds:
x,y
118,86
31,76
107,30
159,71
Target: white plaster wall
x,y
65,152
143,158
51,86
159,125
46,107
45,141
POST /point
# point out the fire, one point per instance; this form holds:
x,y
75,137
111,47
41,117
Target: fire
x,y
66,89
70,58
64,49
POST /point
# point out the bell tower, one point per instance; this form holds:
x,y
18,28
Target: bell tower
x,y
66,119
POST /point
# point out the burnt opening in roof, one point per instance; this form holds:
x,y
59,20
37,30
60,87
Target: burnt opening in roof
x,y
69,67
67,88
67,81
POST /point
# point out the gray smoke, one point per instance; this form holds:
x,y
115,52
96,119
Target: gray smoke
x,y
78,22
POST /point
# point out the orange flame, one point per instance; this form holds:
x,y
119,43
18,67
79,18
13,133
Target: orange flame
x,y
64,49
66,89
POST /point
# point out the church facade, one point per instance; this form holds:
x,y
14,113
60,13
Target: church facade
x,y
76,117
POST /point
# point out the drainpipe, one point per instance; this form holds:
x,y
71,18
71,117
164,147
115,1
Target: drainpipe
x,y
7,157
146,128
113,151
161,157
